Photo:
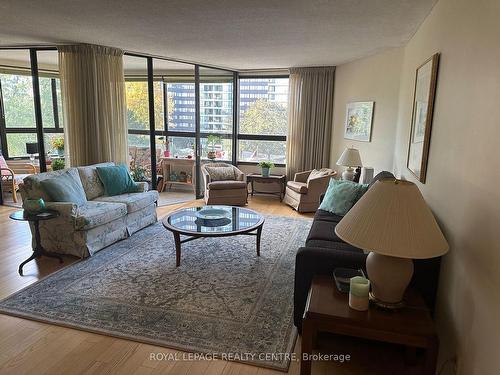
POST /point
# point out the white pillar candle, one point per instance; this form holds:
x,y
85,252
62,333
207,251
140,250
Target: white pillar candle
x,y
358,293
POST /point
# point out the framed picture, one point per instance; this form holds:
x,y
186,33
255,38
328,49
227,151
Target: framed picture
x,y
358,121
421,119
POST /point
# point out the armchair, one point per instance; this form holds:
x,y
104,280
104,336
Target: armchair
x,y
304,191
224,184
12,174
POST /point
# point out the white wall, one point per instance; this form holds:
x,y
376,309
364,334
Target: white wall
x,y
375,78
463,176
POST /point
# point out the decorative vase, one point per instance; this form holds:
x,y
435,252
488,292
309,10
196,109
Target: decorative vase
x,y
265,172
60,152
34,206
166,153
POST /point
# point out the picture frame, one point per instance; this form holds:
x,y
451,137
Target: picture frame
x,y
421,120
359,121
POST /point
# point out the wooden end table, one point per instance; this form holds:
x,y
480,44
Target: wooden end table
x,y
38,250
271,179
327,310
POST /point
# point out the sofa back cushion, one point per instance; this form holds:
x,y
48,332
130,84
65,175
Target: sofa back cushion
x,y
221,173
341,196
380,176
90,180
66,187
315,173
31,188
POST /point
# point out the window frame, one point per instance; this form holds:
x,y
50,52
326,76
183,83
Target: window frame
x,y
4,130
256,137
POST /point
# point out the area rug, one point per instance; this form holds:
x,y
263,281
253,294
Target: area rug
x,y
222,301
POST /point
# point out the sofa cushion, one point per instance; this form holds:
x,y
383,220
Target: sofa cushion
x,y
65,188
341,196
227,185
323,230
299,187
116,180
31,188
90,180
134,201
220,173
327,216
93,214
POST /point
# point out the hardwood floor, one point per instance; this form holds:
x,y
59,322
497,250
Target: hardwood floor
x,y
28,347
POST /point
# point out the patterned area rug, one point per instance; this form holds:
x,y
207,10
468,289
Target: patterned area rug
x,y
222,300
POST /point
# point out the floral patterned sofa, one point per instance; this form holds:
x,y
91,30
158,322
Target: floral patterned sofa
x,y
102,221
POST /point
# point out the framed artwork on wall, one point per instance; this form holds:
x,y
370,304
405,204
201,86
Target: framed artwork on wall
x,y
421,119
358,121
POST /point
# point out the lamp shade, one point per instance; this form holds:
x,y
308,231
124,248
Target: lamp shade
x,y
350,158
393,219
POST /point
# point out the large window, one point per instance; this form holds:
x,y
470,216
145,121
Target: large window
x,y
17,104
263,119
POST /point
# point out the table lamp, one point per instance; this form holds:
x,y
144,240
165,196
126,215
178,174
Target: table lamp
x,y
394,223
31,150
350,158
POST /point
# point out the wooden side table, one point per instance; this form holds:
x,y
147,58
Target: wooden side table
x,y
327,310
38,251
280,180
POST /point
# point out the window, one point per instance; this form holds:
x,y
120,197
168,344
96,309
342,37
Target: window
x,y
263,120
17,103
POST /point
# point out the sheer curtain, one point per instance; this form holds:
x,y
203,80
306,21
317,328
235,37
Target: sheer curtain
x,y
93,94
310,119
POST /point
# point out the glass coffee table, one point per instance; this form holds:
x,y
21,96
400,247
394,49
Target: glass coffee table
x,y
230,221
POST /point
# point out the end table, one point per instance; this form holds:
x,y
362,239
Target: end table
x,y
280,180
327,310
38,251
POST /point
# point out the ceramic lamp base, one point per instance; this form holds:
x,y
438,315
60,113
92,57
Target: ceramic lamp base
x,y
348,174
389,278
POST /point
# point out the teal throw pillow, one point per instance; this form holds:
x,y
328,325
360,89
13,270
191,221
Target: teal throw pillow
x,y
341,196
65,188
116,180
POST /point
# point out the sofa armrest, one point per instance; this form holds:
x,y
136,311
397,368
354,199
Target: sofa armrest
x,y
206,177
302,176
311,261
142,186
66,209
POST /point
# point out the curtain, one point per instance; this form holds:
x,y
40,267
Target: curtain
x,y
310,119
93,94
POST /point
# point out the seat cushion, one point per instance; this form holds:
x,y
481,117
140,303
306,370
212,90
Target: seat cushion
x,y
93,214
299,187
134,201
227,185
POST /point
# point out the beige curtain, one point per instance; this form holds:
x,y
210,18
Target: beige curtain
x,y
310,119
93,94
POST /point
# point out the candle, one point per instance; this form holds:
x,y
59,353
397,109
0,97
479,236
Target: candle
x,y
358,293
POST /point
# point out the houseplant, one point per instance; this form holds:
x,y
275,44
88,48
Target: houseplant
x,y
57,144
138,173
212,139
266,167
58,164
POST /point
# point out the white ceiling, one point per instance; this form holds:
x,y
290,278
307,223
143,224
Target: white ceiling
x,y
238,34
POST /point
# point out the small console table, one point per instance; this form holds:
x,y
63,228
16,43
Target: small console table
x,y
35,219
279,180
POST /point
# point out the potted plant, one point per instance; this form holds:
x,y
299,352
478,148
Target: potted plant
x,y
212,139
266,167
58,164
138,174
57,143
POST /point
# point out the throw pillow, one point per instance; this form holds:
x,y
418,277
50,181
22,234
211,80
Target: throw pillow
x,y
315,173
116,180
220,173
65,188
341,196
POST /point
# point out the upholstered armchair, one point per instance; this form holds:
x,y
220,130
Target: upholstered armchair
x,y
224,184
12,175
304,191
